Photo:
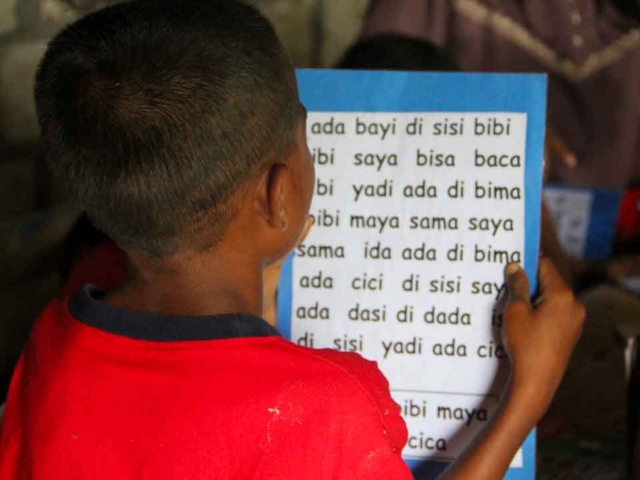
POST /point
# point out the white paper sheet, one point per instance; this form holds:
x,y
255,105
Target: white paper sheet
x,y
405,261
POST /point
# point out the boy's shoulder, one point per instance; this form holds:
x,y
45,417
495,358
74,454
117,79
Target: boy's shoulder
x,y
341,386
280,357
348,377
348,367
312,373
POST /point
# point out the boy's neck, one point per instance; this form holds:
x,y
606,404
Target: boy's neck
x,y
192,284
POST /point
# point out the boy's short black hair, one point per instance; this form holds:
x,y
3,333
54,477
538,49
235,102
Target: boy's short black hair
x,y
155,112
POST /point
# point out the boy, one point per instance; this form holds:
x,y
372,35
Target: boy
x,y
177,127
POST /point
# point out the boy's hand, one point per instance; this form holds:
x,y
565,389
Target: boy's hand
x,y
557,153
540,337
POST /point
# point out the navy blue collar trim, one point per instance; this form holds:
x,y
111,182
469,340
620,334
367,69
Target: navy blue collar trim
x,y
86,308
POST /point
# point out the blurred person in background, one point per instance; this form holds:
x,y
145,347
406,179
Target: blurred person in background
x,y
591,52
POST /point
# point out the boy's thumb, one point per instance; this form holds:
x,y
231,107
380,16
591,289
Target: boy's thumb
x,y
517,283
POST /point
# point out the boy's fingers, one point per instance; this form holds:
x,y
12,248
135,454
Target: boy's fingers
x,y
559,149
517,283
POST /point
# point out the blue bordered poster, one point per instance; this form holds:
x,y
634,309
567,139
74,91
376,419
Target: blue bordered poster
x,y
426,186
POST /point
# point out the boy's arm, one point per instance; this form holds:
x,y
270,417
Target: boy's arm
x,y
540,339
271,280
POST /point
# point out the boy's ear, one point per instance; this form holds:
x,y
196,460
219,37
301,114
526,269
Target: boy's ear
x,y
272,196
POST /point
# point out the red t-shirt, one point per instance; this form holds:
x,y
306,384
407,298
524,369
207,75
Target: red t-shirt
x,y
103,393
